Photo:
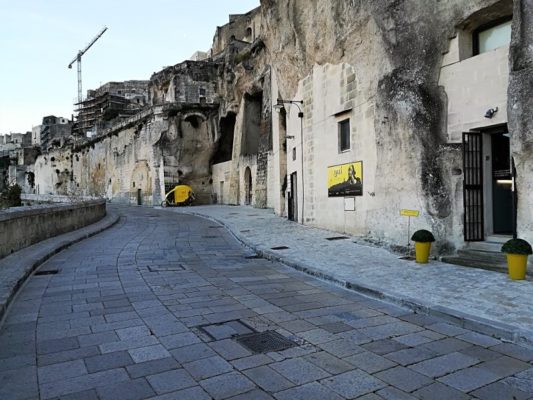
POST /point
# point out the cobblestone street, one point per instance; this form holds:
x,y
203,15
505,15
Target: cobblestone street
x,y
164,305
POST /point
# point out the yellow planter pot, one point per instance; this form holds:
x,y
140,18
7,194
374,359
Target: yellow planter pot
x,y
517,266
422,250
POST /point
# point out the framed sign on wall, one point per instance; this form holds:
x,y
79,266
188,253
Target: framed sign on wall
x,y
345,179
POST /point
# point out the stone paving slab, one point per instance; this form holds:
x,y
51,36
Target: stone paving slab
x,y
17,267
483,301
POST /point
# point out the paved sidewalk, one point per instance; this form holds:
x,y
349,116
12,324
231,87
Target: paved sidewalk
x,y
484,301
17,267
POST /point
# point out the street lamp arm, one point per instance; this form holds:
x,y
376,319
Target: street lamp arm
x,y
280,104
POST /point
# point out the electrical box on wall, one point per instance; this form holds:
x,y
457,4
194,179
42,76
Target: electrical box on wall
x,y
349,204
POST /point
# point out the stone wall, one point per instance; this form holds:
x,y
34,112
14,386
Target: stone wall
x,y
138,160
45,221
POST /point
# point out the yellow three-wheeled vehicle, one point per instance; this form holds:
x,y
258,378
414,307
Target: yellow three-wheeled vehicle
x,y
181,195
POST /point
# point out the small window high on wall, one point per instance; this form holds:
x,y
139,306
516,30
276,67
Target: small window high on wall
x,y
492,36
344,135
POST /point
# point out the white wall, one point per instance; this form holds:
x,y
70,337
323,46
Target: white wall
x,y
473,86
221,173
330,90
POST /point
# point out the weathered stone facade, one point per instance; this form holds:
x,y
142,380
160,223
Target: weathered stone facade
x,y
402,72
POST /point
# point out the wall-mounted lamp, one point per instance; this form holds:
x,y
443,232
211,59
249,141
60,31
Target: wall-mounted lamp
x,y
490,112
281,104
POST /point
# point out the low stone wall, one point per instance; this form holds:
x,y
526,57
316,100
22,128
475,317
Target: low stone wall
x,y
53,198
23,226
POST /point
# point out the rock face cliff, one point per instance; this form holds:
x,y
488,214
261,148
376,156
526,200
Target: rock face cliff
x,y
520,104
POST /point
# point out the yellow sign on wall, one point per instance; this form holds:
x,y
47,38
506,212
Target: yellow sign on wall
x,y
345,180
409,213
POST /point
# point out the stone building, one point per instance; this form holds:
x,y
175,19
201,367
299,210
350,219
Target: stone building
x,y
52,132
11,141
383,106
110,102
17,155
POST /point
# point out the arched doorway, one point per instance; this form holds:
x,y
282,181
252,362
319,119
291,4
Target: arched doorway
x,y
248,186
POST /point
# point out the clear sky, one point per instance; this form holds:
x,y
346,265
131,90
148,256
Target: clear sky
x,y
39,38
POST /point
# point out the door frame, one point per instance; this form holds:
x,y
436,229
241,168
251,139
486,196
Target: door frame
x,y
293,198
248,186
482,184
488,134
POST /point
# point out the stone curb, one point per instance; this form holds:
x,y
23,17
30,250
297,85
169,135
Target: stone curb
x,y
28,259
484,326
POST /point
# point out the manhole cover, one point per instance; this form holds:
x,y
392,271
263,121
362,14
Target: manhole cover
x,y
47,272
225,330
154,268
337,238
279,248
264,342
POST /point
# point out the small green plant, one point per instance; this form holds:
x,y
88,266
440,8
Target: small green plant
x,y
517,246
423,236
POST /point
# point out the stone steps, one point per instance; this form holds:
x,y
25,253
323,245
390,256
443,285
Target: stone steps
x,y
477,261
484,255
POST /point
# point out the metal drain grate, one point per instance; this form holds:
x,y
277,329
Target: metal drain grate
x,y
170,268
253,257
264,342
47,272
337,238
279,248
209,237
246,230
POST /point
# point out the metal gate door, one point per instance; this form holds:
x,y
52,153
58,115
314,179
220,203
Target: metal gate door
x,y
474,229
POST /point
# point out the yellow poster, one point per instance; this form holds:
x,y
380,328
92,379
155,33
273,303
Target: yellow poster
x,y
345,180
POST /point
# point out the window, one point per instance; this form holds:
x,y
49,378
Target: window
x,y
490,37
344,135
294,154
202,92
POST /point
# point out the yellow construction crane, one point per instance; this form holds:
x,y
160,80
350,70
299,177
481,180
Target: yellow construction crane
x,y
78,59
